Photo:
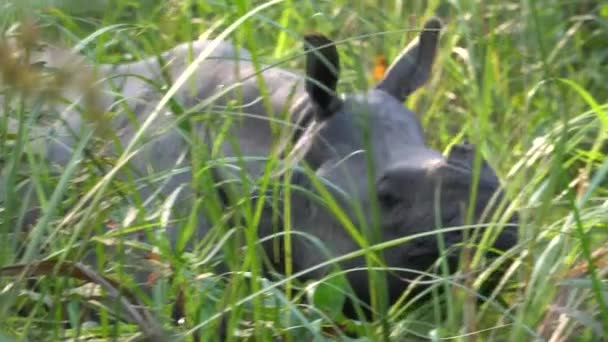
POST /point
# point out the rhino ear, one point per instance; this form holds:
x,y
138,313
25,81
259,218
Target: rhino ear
x,y
322,70
412,67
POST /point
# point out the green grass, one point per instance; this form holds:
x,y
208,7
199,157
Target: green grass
x,y
524,80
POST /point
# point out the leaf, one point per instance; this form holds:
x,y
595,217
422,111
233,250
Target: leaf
x,y
329,295
604,10
4,337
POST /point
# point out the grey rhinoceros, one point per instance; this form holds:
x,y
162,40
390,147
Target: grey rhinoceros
x,y
367,148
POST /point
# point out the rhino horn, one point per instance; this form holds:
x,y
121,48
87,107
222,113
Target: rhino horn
x,y
412,67
322,71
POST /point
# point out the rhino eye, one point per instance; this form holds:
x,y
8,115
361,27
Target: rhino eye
x,y
388,200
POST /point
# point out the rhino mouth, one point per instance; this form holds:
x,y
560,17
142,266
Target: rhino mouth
x,y
416,270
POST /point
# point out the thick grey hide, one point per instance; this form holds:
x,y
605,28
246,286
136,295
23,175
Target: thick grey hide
x,y
227,74
225,77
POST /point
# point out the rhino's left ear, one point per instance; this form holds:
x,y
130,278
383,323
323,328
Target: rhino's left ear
x,y
413,66
322,70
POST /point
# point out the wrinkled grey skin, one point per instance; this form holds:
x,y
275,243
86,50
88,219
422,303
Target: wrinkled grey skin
x,y
406,172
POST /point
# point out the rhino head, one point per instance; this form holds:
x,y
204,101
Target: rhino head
x,y
372,153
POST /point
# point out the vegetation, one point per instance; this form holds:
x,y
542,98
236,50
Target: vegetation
x,y
524,80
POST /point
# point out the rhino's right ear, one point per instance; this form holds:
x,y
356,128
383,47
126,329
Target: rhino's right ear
x,y
413,66
322,70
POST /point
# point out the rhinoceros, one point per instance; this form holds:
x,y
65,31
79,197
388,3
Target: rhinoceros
x,y
367,148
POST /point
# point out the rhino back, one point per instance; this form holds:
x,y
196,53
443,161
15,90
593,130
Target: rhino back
x,y
162,164
223,94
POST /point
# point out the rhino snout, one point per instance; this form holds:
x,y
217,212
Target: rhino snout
x,y
436,194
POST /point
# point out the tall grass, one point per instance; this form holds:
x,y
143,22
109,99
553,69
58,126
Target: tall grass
x,y
523,80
